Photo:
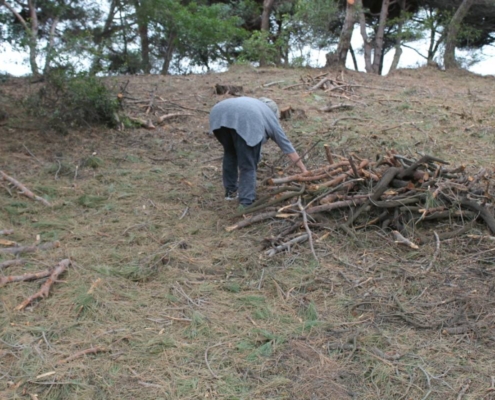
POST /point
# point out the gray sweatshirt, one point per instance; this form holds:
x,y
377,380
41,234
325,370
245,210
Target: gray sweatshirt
x,y
252,119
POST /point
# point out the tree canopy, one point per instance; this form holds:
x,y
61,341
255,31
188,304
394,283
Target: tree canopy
x,y
174,36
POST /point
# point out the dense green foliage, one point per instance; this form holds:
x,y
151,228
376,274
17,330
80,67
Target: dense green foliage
x,y
175,36
70,100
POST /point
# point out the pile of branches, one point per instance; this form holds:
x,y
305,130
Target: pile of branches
x,y
394,192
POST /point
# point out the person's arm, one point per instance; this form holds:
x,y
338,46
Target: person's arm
x,y
294,157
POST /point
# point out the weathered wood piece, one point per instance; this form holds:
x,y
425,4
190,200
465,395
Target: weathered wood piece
x,y
45,288
11,263
30,249
23,189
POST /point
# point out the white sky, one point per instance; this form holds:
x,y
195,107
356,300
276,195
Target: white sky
x,y
16,63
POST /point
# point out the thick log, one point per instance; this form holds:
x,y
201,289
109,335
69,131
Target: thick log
x,y
484,213
423,160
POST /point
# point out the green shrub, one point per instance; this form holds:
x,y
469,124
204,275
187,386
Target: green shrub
x,y
73,100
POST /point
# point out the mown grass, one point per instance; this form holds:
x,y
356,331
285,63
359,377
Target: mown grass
x,y
185,310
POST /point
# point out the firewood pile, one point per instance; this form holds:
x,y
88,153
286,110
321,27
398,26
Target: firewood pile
x,y
396,193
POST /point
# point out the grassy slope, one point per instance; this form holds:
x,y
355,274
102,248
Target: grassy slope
x,y
185,310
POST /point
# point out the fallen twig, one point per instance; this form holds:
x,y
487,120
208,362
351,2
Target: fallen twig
x,y
30,249
92,350
206,360
45,288
306,227
170,116
435,255
10,263
464,389
284,246
24,277
23,189
402,240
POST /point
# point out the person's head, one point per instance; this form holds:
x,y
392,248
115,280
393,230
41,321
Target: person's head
x,y
270,103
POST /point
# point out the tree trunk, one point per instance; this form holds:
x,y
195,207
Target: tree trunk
x,y
354,59
398,41
100,39
452,33
366,40
50,46
31,32
145,47
169,52
346,35
379,39
265,22
33,38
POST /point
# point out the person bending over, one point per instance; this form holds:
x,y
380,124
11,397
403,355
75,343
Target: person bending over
x,y
242,125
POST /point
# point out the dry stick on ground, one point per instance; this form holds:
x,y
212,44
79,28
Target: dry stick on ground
x,y
6,232
330,108
11,263
145,124
306,227
435,255
152,100
301,157
320,84
184,108
30,249
92,350
24,277
328,153
464,389
336,121
484,213
23,189
170,116
45,288
252,220
380,188
258,207
206,360
284,246
402,240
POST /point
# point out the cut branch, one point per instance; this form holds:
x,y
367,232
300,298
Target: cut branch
x,y
45,288
93,350
30,249
11,263
23,189
24,277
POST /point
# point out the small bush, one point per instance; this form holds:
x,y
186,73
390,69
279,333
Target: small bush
x,y
73,100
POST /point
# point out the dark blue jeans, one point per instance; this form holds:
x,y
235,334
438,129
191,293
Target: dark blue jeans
x,y
240,163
